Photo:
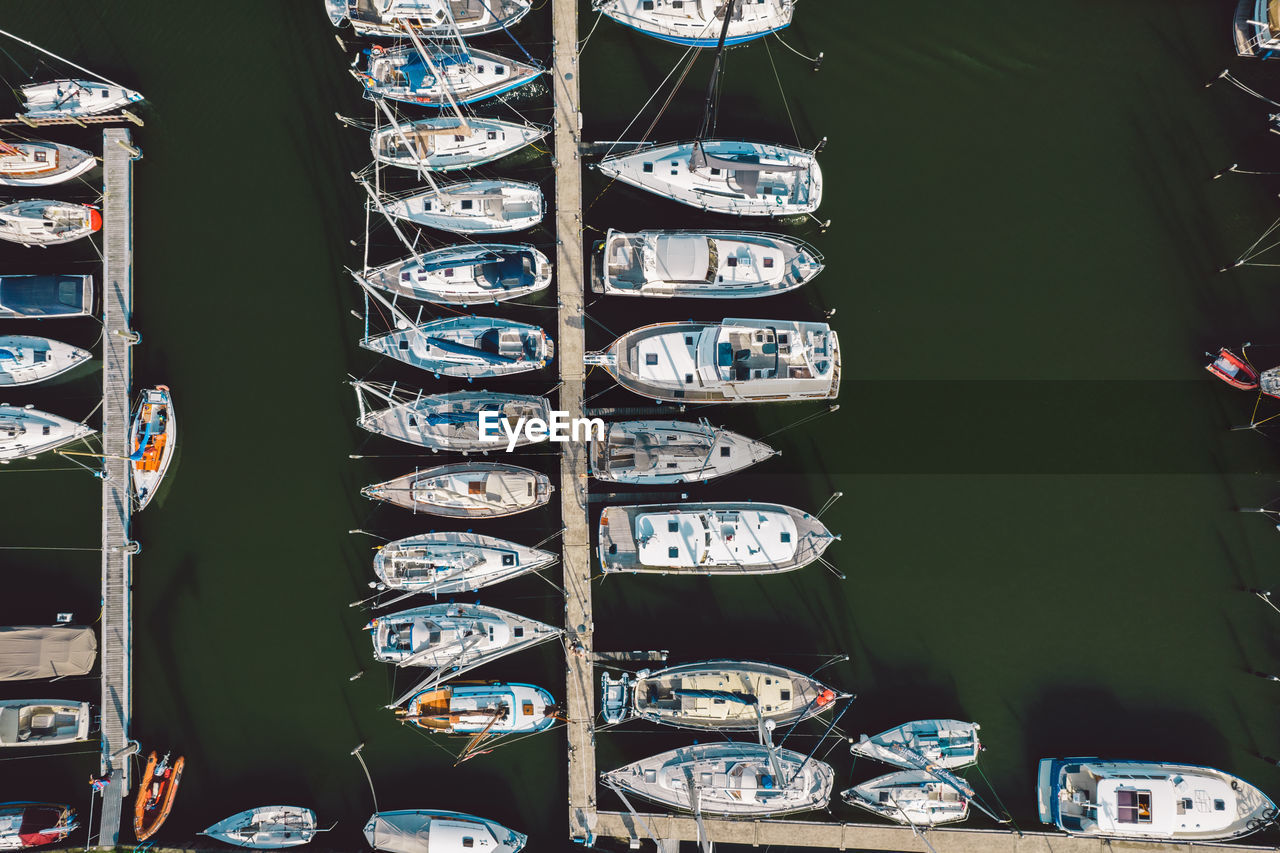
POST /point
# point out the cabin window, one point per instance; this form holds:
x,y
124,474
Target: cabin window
x,y
46,429
647,167
448,272
786,536
647,5
671,464
613,549
41,156
404,344
677,4
526,708
673,552
673,526
1219,805
104,93
731,261
467,204
499,70
768,263
427,205
508,559
413,421
468,841
688,379
724,452
651,358
715,170
1133,806
784,694
783,339
479,69
517,631
688,340
457,137
493,134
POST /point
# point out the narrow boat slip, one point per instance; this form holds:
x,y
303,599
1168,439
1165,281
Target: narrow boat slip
x,y
732,779
439,832
43,722
41,164
26,359
665,452
467,347
75,98
435,18
472,207
455,636
156,791
28,432
266,828
950,744
733,361
698,22
466,490
46,651
450,421
466,274
481,709
24,825
445,144
911,797
402,74
45,297
39,222
153,438
451,562
1148,800
708,264
730,538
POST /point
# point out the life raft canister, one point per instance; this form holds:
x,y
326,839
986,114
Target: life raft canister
x,y
826,697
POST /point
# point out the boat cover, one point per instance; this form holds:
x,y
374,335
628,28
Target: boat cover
x,y
400,832
682,257
46,651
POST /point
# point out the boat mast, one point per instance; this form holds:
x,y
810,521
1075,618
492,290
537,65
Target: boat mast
x,y
404,140
709,110
426,57
390,219
59,58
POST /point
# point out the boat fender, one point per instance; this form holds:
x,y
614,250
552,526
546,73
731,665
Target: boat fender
x,y
826,697
1253,825
1270,815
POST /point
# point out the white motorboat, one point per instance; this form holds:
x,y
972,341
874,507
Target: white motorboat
x,y
724,176
26,359
43,722
490,710
30,652
466,490
1148,800
467,347
732,779
24,825
950,744
472,207
728,538
698,23
463,421
665,452
153,438
455,638
75,98
463,76
45,297
910,797
440,832
445,144
28,432
432,18
39,222
704,264
466,274
41,164
448,563
266,828
733,361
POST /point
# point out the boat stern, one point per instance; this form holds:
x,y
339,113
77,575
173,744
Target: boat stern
x,y
1047,790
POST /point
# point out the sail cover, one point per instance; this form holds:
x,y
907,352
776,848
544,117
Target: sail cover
x,y
400,832
46,652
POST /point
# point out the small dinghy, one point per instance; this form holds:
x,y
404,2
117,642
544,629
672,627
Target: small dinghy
x,y
75,98
454,562
28,432
1233,370
464,421
430,18
153,437
466,490
39,222
730,779
664,452
729,695
467,347
401,74
911,797
156,791
41,164
24,825
41,297
467,274
454,638
950,744
266,828
488,709
698,23
25,359
43,722
472,207
30,652
446,144
439,832
725,176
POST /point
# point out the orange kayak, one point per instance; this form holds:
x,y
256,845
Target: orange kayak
x,y
156,791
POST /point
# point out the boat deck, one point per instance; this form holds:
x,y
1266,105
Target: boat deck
x,y
1244,32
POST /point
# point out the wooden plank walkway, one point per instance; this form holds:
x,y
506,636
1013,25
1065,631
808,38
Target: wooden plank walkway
x,y
116,288
83,121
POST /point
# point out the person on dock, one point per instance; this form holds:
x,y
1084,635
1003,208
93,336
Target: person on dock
x,y
100,783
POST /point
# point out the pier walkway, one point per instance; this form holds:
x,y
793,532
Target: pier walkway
x,y
116,288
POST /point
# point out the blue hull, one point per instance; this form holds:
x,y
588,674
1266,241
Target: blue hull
x,y
712,42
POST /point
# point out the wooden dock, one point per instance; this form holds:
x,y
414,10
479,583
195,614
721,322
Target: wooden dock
x,y
116,644
67,121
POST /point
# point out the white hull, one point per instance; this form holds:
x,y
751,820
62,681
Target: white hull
x,y
153,417
949,744
43,164
39,222
266,828
75,98
27,432
401,75
473,207
430,18
911,798
451,421
458,636
695,22
667,452
488,710
444,145
25,359
468,274
466,490
454,562
439,832
43,722
467,347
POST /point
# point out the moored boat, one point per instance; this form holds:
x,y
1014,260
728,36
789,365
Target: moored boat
x,y
665,452
470,75
74,98
24,825
950,744
431,18
153,438
491,709
466,274
28,432
445,144
156,791
454,561
698,23
733,361
41,164
45,297
1148,800
1257,27
455,637
266,828
472,207
1233,370
464,421
727,538
46,651
43,722
732,779
911,797
466,490
706,264
27,359
39,222
467,347
439,832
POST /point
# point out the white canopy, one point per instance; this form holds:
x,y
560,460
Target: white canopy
x,y
46,651
681,257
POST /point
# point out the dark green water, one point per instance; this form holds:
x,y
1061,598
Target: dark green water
x,y
1039,480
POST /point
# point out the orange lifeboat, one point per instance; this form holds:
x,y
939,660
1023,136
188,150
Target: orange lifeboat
x,y
1233,370
156,791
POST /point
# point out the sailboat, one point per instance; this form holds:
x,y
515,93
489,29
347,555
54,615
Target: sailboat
x,y
433,18
454,561
39,222
466,274
950,744
74,98
440,832
41,164
467,347
436,74
43,722
28,432
465,421
665,452
24,825
466,490
697,22
26,359
454,638
490,206
45,297
490,710
445,144
911,797
153,438
266,828
156,791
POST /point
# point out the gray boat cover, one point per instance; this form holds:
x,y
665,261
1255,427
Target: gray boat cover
x,y
50,651
682,257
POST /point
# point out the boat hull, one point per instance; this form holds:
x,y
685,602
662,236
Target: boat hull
x,y
43,722
75,98
473,207
153,438
465,275
453,562
43,164
45,297
412,832
911,798
156,792
693,31
27,432
266,828
517,490
26,359
27,825
668,452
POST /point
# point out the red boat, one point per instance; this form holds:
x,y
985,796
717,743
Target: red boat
x,y
24,825
156,790
1233,370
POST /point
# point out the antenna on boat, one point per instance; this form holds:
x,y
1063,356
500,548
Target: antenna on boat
x,y
426,57
60,58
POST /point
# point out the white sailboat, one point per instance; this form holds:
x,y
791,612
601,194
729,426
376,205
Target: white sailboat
x,y
153,439
456,638
39,222
437,74
949,744
27,359
440,832
28,432
445,564
466,347
490,206
697,23
433,18
41,164
266,828
43,722
452,421
466,490
666,452
75,98
485,710
911,797
466,274
446,144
